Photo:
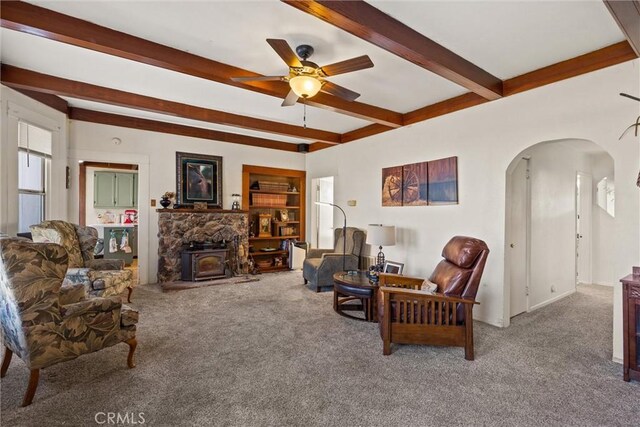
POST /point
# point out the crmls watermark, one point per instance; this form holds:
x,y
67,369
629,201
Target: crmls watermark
x,y
115,418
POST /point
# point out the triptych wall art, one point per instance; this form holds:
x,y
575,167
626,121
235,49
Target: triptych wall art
x,y
420,184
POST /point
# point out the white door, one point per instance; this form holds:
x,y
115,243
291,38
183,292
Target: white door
x,y
518,238
584,195
322,215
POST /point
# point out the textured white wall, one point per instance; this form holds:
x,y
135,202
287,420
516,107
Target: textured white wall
x,y
604,242
553,168
486,139
158,154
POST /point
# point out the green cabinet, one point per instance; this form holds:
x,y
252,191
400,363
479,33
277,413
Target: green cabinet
x,y
115,189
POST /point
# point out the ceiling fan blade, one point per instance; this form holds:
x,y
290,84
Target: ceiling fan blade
x,y
353,64
630,96
290,100
285,52
256,79
339,91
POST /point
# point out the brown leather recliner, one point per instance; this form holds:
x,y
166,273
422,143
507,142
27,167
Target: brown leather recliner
x,y
408,315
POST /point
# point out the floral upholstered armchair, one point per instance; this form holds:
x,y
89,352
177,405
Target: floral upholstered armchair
x,y
45,324
100,277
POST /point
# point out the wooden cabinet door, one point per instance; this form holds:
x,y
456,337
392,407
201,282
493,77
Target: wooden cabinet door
x,y
125,193
104,190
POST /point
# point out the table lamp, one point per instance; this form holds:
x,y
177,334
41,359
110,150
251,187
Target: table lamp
x,y
381,235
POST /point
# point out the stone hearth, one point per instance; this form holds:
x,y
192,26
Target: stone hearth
x,y
181,226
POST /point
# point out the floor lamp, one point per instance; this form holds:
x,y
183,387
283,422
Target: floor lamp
x,y
344,233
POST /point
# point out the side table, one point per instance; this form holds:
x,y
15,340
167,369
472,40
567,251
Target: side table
x,y
354,286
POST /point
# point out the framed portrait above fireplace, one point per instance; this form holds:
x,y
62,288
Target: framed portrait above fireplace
x,y
198,180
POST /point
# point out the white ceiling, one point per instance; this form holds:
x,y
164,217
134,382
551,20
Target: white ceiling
x,y
504,38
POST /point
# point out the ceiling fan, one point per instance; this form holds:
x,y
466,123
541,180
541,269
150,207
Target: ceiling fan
x,y
307,78
635,125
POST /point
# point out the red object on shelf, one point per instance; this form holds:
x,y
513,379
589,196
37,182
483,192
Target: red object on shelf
x,y
130,216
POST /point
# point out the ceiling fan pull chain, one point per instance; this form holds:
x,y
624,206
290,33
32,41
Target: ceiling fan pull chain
x,y
304,116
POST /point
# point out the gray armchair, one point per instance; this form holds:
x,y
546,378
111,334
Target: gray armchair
x,y
320,264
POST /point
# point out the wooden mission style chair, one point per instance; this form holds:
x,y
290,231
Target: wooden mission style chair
x,y
437,311
45,324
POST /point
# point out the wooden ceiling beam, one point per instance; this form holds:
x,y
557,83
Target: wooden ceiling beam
x,y
84,115
611,55
25,79
52,101
371,24
627,14
38,21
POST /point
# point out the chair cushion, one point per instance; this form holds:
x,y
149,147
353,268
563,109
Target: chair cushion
x,y
428,287
62,233
463,251
450,278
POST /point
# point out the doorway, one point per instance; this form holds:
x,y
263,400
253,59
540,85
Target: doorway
x,y
519,237
108,202
584,202
556,238
322,215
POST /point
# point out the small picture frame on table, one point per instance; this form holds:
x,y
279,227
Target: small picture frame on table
x,y
392,267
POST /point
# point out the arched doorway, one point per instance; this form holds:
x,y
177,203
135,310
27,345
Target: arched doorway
x,y
557,235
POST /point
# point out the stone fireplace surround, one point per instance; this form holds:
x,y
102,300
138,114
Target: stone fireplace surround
x,y
178,227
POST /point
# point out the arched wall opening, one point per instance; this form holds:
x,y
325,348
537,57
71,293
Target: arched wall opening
x,y
556,233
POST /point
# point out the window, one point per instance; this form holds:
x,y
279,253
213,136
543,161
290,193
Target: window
x,y
606,195
33,169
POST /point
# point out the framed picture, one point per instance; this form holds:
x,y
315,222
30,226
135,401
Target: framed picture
x,y
392,267
284,215
199,179
443,181
414,184
392,186
264,225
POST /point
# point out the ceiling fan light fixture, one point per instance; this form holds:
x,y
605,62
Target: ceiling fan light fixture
x,y
305,86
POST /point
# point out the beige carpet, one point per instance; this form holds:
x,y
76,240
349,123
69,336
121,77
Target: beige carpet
x,y
274,353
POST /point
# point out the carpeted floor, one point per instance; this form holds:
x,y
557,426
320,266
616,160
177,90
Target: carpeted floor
x,y
274,353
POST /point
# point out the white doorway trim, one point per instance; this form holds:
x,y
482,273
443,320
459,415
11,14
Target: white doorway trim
x,y
518,239
143,196
322,190
584,235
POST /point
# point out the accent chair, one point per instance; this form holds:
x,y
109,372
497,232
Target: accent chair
x,y
441,314
101,277
320,264
44,323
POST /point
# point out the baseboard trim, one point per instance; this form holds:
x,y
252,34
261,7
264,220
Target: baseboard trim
x,y
552,300
617,360
608,284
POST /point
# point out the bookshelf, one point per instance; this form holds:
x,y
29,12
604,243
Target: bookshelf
x,y
275,199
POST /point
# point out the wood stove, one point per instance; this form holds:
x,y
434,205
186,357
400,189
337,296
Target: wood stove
x,y
204,261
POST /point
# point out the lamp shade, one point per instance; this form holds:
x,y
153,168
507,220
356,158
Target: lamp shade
x,y
305,86
381,235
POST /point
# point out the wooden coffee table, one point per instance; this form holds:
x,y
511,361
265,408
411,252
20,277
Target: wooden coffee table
x,y
354,286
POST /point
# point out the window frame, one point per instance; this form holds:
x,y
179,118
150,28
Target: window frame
x,y
46,164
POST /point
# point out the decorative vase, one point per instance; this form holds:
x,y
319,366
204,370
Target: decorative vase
x,y
165,202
